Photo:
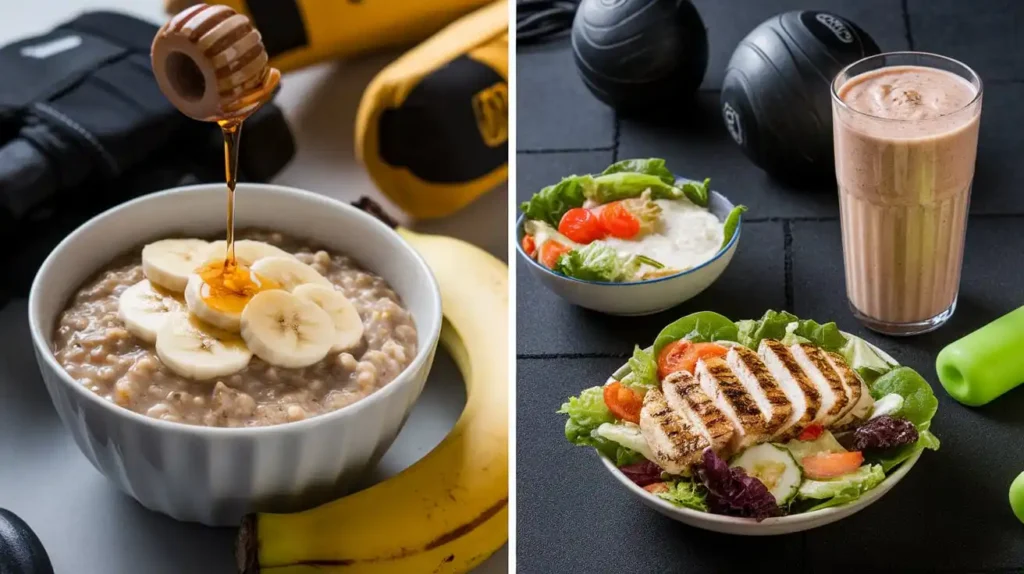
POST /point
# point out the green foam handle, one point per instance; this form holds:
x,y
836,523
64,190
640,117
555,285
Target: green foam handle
x,y
985,364
1017,496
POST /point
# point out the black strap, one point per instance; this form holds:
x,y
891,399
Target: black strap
x,y
539,20
280,24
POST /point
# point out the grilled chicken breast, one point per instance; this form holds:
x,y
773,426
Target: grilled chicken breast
x,y
799,389
719,382
747,399
752,373
675,444
819,370
861,403
685,397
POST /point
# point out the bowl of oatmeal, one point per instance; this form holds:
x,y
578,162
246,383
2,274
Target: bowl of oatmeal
x,y
207,389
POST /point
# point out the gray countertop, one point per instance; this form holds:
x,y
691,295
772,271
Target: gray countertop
x,y
85,523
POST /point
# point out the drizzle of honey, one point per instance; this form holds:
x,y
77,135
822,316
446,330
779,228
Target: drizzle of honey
x,y
230,286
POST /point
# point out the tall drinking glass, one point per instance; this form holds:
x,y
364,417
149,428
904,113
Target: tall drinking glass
x,y
905,126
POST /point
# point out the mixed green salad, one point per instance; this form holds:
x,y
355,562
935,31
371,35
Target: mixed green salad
x,y
821,467
633,221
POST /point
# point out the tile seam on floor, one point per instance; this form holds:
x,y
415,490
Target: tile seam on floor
x,y
615,139
548,356
539,151
787,249
906,24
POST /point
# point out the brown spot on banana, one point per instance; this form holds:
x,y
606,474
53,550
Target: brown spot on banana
x,y
247,543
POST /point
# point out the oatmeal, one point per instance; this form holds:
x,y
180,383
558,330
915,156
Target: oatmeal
x,y
113,350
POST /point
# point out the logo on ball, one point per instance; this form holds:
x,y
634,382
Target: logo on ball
x,y
837,26
732,122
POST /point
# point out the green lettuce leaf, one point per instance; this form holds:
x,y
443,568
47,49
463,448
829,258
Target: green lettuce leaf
x,y
551,203
650,166
732,221
588,412
843,489
627,185
919,402
893,457
597,261
773,325
630,440
700,327
643,368
697,192
863,359
686,494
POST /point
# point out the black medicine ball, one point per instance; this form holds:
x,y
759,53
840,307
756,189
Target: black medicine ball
x,y
776,95
635,54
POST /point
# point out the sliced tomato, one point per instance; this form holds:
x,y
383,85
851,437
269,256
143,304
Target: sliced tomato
x,y
529,245
683,355
701,351
618,221
581,225
623,402
831,465
811,433
671,356
657,487
550,251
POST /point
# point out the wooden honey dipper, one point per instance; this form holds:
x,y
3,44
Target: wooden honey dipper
x,y
210,62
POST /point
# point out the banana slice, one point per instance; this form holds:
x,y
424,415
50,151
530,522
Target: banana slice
x,y
348,327
195,297
143,310
247,251
168,263
287,331
288,272
199,351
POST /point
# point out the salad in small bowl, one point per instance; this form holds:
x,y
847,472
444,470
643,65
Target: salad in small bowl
x,y
631,240
756,427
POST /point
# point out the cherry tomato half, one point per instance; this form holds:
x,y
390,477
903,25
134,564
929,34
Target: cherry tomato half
x,y
618,221
581,225
529,245
672,356
551,251
623,402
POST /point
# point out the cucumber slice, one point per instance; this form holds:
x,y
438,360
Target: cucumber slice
x,y
775,467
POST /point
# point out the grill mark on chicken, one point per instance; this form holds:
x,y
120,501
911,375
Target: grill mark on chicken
x,y
820,361
782,408
844,371
810,392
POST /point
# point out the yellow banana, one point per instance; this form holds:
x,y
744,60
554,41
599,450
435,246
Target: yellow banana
x,y
447,512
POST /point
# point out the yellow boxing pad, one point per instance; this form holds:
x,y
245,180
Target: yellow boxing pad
x,y
432,127
298,33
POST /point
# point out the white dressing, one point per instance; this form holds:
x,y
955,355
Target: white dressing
x,y
685,236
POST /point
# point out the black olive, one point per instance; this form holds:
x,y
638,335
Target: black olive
x,y
21,552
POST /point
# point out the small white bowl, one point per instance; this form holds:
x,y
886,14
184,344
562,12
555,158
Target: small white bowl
x,y
768,526
642,297
217,475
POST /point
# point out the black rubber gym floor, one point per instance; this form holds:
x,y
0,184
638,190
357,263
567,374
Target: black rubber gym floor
x,y
951,513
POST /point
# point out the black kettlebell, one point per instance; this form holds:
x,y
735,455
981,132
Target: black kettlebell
x,y
776,95
639,54
21,552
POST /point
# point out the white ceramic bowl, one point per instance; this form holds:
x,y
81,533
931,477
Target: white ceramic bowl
x,y
643,297
216,475
768,526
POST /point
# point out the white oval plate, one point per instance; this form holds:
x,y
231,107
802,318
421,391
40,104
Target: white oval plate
x,y
768,526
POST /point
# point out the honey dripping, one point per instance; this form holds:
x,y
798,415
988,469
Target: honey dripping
x,y
211,64
229,284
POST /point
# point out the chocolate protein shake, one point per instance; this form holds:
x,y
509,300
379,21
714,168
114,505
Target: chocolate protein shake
x,y
906,135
